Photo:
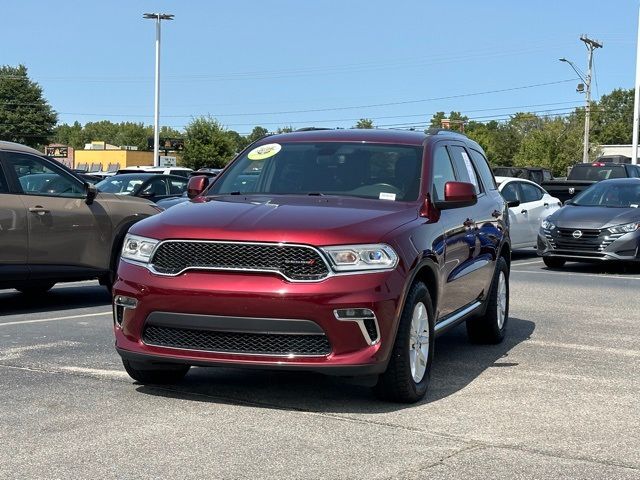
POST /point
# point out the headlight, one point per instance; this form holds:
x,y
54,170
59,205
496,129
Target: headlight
x,y
350,258
627,228
547,225
138,249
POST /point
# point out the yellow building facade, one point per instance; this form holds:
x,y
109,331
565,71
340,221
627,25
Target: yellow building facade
x,y
111,160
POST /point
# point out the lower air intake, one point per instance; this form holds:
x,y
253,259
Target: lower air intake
x,y
233,342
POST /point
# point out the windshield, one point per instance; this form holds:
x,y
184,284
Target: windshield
x,y
120,184
617,195
589,172
387,172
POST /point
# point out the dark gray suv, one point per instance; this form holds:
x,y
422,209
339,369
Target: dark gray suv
x,y
54,227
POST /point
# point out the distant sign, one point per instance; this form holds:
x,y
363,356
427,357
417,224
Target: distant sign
x,y
166,161
175,144
57,151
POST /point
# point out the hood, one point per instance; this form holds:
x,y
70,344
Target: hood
x,y
293,219
572,216
171,202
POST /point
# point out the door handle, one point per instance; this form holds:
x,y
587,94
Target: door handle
x,y
38,210
496,214
524,211
546,205
469,223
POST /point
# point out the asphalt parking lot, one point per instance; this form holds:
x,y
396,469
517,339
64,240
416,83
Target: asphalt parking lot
x,y
560,398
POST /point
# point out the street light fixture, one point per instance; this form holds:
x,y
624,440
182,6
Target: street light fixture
x,y
158,17
591,46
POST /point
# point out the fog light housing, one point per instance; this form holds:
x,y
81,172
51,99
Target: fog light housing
x,y
120,304
366,320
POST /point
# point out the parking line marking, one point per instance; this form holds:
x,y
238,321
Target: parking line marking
x,y
588,348
526,263
55,319
569,274
97,372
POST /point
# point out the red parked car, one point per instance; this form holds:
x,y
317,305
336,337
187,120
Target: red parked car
x,y
338,251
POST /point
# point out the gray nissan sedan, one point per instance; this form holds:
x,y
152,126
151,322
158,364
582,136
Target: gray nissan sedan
x,y
602,223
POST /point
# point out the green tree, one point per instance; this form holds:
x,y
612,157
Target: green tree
x,y
72,135
256,134
206,144
25,115
288,129
612,118
364,123
556,145
238,140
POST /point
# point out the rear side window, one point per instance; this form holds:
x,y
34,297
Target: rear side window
x,y
482,165
530,193
510,192
464,168
442,172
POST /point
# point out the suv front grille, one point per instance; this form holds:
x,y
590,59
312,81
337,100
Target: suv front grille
x,y
236,342
294,262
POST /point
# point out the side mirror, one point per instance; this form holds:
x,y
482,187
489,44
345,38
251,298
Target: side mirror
x,y
197,185
513,204
90,192
457,195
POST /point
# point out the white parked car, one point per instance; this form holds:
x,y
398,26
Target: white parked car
x,y
535,204
180,171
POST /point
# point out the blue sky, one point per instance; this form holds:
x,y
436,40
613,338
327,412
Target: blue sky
x,y
246,62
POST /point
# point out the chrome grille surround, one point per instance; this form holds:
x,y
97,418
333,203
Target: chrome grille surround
x,y
294,262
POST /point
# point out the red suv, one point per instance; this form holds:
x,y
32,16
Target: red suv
x,y
339,251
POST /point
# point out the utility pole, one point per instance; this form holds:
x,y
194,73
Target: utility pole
x,y
591,46
636,102
156,111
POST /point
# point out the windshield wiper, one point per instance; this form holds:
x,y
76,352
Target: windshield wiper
x,y
315,194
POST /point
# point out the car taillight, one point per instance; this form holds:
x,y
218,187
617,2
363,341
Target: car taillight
x,y
598,164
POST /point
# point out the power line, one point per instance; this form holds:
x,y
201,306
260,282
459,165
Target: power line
x,y
350,107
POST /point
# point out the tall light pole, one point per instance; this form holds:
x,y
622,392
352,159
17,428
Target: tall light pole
x,y
636,102
591,46
158,17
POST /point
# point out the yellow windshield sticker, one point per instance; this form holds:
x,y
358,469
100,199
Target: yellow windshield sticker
x,y
264,151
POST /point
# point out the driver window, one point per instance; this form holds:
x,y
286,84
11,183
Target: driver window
x,y
442,172
37,178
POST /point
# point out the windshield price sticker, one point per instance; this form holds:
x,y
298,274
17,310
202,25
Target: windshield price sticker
x,y
264,151
387,196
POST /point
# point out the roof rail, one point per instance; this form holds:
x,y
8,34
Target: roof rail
x,y
444,131
311,129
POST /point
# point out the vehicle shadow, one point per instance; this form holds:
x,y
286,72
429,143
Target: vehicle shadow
x,y
612,268
456,364
13,302
524,254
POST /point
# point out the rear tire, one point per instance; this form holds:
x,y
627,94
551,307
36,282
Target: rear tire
x,y
554,262
407,376
147,373
36,288
492,326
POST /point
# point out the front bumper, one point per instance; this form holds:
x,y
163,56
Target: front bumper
x,y
598,247
239,302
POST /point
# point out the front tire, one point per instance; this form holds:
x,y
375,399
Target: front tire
x,y
554,262
407,376
492,326
147,373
